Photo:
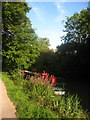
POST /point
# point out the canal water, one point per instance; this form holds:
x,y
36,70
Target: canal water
x,y
82,90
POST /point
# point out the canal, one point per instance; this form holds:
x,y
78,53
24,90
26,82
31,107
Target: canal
x,y
82,90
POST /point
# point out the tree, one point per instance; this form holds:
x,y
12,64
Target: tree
x,y
74,53
73,60
77,27
20,45
44,44
46,61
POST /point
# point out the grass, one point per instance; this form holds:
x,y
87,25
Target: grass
x,y
37,100
25,107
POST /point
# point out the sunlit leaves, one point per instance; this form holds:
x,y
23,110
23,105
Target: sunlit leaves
x,y
77,27
20,47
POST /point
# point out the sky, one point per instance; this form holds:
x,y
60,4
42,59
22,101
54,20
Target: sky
x,y
47,18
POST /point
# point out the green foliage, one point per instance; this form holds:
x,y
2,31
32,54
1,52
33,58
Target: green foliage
x,y
77,27
20,45
33,100
43,44
39,90
47,61
26,108
31,110
74,53
23,49
69,106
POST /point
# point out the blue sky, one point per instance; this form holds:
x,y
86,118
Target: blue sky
x,y
47,17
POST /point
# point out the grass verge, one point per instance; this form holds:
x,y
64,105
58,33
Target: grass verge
x,y
24,107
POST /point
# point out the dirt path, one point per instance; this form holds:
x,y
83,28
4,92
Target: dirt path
x,y
7,109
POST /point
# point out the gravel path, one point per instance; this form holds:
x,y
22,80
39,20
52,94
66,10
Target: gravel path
x,y
7,109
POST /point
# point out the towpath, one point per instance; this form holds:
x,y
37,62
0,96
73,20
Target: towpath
x,y
7,109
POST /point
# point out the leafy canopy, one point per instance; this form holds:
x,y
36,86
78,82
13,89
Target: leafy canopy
x,y
77,27
20,46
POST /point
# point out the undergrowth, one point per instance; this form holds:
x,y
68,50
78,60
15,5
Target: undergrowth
x,y
25,107
34,99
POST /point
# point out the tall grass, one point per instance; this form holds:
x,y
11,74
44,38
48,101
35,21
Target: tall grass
x,y
34,99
